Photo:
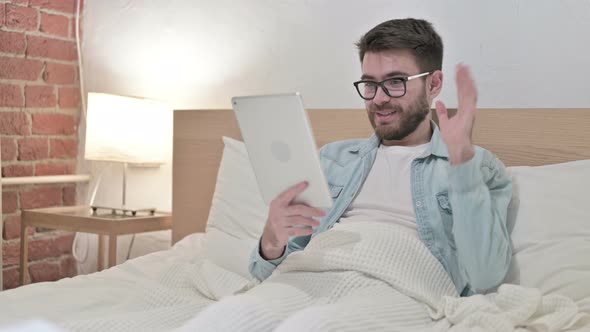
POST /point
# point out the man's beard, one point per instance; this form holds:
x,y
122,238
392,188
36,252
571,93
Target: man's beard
x,y
408,120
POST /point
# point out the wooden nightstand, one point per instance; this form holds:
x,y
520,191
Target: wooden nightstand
x,y
81,219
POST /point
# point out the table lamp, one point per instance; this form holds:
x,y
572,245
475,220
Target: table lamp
x,y
128,131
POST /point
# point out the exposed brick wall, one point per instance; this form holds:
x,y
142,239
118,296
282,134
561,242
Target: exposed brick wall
x,y
39,110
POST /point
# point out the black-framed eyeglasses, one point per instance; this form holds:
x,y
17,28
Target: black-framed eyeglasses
x,y
394,87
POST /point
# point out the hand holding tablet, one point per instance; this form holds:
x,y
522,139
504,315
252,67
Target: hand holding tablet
x,y
284,156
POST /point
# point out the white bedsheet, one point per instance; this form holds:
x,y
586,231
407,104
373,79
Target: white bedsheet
x,y
376,277
156,292
345,279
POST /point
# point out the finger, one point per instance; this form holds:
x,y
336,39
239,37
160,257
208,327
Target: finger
x,y
288,195
300,231
466,89
302,221
304,210
441,112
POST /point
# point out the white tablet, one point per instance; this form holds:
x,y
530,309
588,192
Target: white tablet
x,y
281,147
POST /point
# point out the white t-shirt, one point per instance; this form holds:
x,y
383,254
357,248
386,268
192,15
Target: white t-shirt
x,y
386,195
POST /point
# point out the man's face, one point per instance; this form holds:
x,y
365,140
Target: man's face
x,y
395,118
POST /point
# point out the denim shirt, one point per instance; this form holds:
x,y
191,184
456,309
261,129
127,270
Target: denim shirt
x,y
461,210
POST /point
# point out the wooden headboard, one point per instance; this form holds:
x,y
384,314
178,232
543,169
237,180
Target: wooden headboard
x,y
517,136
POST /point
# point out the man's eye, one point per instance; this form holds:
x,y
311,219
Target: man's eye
x,y
368,85
394,84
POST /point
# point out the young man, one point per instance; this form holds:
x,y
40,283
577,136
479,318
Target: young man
x,y
431,182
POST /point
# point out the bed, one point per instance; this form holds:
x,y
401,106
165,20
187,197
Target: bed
x,y
547,151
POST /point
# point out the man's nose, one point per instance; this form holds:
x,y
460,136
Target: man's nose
x,y
381,97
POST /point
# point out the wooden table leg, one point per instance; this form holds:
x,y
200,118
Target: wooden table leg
x,y
24,253
112,250
100,265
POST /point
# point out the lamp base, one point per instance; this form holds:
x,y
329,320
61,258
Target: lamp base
x,y
122,211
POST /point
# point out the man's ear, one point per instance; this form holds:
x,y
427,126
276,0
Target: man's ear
x,y
434,84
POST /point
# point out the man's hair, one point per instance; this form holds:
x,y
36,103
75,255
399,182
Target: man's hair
x,y
416,35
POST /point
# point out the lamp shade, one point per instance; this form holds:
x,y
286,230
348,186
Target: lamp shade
x,y
126,129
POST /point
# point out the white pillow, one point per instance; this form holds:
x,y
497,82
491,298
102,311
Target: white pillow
x,y
238,212
550,221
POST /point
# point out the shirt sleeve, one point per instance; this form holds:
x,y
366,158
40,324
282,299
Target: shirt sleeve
x,y
480,191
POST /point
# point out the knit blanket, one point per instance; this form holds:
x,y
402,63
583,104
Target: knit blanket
x,y
377,277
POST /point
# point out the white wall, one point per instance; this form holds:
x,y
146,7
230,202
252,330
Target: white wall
x,y
198,54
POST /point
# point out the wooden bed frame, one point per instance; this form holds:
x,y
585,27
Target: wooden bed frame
x,y
517,136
